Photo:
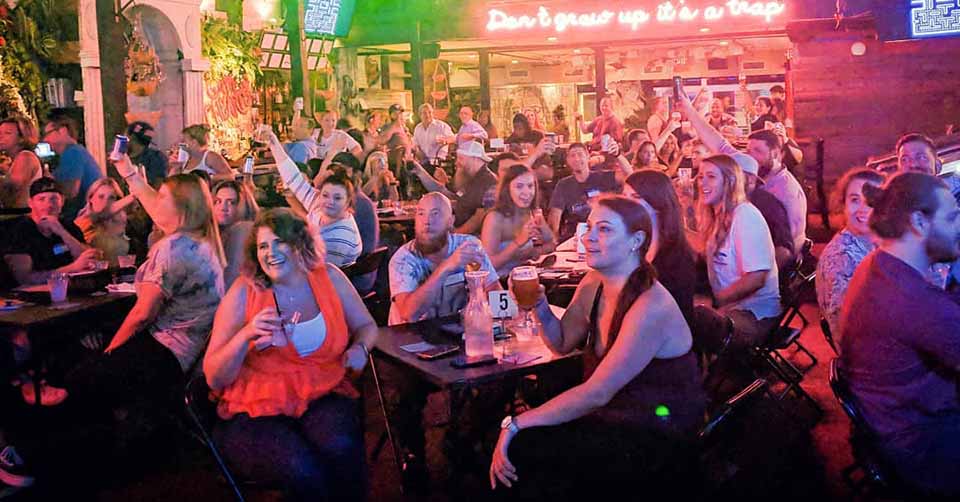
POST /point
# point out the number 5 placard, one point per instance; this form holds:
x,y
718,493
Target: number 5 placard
x,y
502,305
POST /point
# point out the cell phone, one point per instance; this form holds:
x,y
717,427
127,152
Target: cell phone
x,y
677,87
438,352
43,150
470,362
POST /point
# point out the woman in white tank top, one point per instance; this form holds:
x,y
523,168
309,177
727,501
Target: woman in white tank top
x,y
195,139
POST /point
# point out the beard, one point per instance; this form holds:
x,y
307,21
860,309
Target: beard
x,y
942,247
427,245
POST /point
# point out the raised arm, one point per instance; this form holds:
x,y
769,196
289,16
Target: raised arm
x,y
707,134
293,179
139,188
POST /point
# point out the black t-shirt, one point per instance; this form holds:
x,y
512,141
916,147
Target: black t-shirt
x,y
775,214
47,253
533,137
573,198
480,193
760,123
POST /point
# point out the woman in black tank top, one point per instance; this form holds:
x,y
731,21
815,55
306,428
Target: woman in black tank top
x,y
640,399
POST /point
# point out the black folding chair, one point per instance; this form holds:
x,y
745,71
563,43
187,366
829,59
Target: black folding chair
x,y
783,336
828,335
875,472
201,411
720,430
377,302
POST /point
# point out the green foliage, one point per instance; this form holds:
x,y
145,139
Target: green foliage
x,y
31,36
230,50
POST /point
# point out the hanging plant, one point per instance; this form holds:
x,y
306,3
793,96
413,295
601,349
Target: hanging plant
x,y
142,65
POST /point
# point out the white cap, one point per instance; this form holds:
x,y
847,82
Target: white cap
x,y
473,149
747,163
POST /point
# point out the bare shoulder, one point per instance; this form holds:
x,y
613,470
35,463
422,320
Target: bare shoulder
x,y
656,305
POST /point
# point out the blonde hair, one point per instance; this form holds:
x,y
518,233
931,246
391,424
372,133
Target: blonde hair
x,y
96,185
193,200
716,220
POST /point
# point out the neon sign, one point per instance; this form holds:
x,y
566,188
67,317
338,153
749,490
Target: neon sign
x,y
666,13
934,17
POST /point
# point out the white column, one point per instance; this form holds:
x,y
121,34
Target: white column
x,y
93,128
193,109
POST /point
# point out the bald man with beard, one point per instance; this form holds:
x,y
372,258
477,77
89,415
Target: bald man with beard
x,y
426,274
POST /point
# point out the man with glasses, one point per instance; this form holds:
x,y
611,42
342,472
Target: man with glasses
x,y
77,169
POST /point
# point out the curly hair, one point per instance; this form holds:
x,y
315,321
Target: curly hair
x,y
291,230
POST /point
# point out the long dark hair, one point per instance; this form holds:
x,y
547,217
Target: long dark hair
x,y
504,204
656,188
636,219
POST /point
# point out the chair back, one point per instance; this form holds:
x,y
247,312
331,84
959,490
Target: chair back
x,y
828,335
367,263
849,403
720,423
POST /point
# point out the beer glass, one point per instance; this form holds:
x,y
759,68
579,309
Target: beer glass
x,y
473,266
525,284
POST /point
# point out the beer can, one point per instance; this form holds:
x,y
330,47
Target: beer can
x,y
119,147
248,165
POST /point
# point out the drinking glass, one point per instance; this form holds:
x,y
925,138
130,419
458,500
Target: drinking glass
x,y
58,282
525,284
127,261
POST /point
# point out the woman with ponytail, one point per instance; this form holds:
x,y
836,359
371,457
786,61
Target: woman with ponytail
x,y
640,399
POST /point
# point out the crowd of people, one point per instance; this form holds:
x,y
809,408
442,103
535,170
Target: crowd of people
x,y
257,299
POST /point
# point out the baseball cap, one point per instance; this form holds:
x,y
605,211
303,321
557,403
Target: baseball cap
x,y
396,108
473,149
747,163
142,131
44,185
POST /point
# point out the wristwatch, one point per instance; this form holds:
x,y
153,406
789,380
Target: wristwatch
x,y
510,424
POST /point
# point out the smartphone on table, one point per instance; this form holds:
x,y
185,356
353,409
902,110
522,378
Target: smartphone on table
x,y
438,352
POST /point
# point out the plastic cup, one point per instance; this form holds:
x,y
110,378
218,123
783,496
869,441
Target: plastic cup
x,y
58,282
127,261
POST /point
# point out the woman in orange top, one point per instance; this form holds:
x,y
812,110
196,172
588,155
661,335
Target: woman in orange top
x,y
289,407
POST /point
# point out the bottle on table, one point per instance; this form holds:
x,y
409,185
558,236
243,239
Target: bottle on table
x,y
477,317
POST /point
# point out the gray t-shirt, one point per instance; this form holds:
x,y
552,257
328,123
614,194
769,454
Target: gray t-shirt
x,y
409,269
191,278
573,198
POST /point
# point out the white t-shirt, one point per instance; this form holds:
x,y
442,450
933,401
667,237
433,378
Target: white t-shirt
x,y
426,139
409,269
788,191
338,141
747,248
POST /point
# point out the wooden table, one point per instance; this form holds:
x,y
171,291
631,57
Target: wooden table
x,y
39,319
440,373
459,383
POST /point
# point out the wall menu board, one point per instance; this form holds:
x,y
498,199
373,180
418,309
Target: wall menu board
x,y
327,17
